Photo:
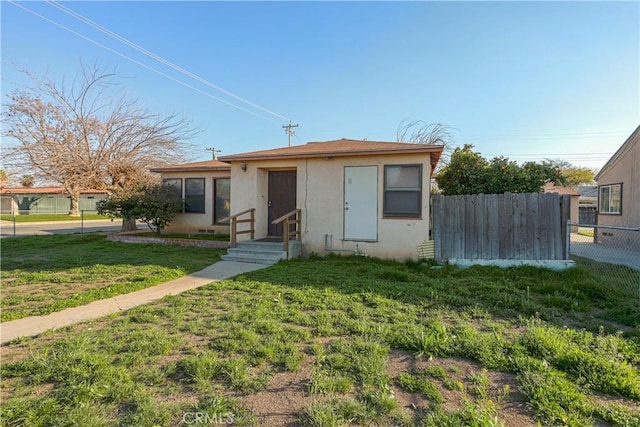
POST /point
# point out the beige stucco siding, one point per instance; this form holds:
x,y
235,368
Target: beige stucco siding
x,y
320,196
625,170
195,222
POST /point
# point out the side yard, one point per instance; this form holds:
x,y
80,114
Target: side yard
x,y
345,341
43,274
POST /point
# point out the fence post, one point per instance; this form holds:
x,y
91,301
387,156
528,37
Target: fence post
x,y
567,234
81,221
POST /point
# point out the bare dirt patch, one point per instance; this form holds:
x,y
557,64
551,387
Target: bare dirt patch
x,y
284,397
512,408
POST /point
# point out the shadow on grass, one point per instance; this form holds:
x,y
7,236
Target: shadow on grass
x,y
578,297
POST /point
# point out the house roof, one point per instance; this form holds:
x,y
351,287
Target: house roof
x,y
45,190
550,188
207,165
588,191
624,148
339,148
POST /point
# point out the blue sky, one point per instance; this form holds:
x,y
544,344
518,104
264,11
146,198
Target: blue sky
x,y
528,80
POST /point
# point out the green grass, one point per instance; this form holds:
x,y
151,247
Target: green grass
x,y
51,217
331,327
43,274
193,236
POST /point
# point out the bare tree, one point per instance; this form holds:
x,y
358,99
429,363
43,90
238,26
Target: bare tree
x,y
421,132
81,136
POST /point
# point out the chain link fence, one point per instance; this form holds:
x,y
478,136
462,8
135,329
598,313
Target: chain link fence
x,y
616,251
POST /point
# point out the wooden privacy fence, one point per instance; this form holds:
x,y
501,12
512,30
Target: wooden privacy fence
x,y
529,226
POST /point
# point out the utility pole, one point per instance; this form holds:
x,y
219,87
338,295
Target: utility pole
x,y
213,152
289,130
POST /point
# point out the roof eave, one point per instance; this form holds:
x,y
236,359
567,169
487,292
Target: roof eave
x,y
196,169
617,154
275,156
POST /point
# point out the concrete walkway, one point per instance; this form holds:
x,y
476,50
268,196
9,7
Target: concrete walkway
x,y
32,326
583,246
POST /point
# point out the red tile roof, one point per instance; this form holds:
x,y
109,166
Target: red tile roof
x,y
339,148
207,165
550,188
45,190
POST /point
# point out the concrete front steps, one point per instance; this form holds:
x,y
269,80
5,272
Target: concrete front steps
x,y
262,252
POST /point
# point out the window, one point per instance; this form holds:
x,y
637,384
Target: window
x,y
403,191
221,199
175,183
194,195
610,199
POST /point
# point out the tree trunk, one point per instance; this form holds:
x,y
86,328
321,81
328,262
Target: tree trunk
x,y
75,203
128,224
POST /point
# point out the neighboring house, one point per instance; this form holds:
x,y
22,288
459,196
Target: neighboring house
x,y
205,187
575,201
619,185
353,196
45,200
588,210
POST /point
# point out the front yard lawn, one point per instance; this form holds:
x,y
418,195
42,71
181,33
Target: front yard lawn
x,y
344,341
43,274
51,217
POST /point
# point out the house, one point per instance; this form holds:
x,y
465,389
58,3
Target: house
x,y
588,207
343,196
619,189
575,201
45,200
619,185
205,187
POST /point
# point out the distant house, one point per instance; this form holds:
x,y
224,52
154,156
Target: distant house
x,y
205,186
349,196
619,185
588,207
45,200
575,201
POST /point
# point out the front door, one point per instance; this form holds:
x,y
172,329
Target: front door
x,y
282,198
361,203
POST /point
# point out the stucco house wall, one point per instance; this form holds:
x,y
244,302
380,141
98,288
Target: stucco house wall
x,y
320,194
196,222
623,168
574,214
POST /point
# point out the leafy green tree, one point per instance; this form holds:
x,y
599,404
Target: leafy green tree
x,y
462,174
574,175
470,173
155,205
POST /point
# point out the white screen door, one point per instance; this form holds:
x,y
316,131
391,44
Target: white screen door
x,y
361,203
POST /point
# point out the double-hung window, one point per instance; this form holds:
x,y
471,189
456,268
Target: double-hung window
x,y
221,199
610,199
194,195
403,191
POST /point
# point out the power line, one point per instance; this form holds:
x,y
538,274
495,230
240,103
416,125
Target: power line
x,y
158,58
141,64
